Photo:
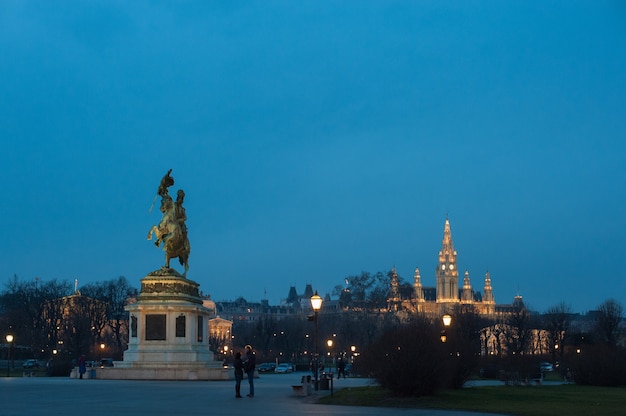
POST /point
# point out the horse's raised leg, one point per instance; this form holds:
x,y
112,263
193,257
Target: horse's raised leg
x,y
157,234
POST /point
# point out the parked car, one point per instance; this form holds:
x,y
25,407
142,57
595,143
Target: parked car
x,y
266,368
283,368
545,366
31,363
106,362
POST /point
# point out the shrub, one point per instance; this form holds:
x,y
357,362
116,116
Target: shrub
x,y
599,365
408,360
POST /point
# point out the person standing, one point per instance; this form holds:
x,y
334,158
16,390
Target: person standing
x,y
341,367
238,374
250,365
82,366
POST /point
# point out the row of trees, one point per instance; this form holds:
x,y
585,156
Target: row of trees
x,y
292,339
411,358
368,291
520,330
522,340
49,318
406,353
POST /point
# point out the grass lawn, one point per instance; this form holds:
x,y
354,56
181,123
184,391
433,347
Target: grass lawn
x,y
571,400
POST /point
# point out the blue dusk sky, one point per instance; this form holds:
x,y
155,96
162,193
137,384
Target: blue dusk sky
x,y
318,139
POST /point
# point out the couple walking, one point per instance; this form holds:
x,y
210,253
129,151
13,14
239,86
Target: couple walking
x,y
248,365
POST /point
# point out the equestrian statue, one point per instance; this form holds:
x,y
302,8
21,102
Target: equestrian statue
x,y
172,230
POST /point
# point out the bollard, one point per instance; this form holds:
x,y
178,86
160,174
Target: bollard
x,y
331,384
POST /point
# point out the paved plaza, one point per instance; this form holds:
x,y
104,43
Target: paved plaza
x,y
273,396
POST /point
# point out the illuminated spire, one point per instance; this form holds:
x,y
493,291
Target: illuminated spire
x,y
468,293
488,296
394,292
447,272
417,286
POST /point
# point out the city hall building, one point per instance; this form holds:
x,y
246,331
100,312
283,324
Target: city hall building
x,y
447,293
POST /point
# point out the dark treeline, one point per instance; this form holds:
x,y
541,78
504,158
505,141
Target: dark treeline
x,y
404,351
420,356
292,339
48,319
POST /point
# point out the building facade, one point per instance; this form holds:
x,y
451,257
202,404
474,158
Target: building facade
x,y
447,293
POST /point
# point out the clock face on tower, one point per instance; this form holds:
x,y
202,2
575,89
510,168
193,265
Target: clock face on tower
x,y
451,266
443,267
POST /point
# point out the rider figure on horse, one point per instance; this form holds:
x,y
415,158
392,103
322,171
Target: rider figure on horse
x,y
172,230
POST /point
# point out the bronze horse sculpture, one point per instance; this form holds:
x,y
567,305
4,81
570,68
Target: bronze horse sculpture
x,y
172,230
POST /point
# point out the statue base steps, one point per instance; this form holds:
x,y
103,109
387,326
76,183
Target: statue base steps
x,y
182,372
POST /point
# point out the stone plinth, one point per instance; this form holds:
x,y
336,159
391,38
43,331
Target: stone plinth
x,y
168,334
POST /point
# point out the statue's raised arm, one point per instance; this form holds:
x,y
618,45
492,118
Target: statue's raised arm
x,y
166,182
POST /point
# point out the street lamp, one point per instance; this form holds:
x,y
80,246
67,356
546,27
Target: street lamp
x,y
330,350
9,339
447,320
316,304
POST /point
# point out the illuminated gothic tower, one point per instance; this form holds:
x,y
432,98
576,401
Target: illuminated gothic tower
x,y
394,299
488,297
467,295
489,303
417,286
447,272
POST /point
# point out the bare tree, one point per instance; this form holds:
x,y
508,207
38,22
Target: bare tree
x,y
518,331
265,329
23,304
557,321
115,293
465,343
76,322
365,291
608,322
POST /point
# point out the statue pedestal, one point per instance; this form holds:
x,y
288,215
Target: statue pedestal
x,y
168,334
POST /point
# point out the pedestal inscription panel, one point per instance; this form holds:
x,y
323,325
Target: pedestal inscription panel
x,y
156,329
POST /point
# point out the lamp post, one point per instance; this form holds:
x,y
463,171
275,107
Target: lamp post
x,y
447,320
330,352
9,339
316,304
